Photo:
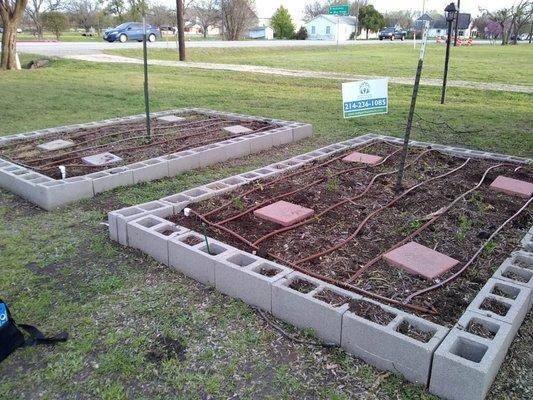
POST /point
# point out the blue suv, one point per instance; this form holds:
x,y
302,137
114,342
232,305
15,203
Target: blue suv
x,y
131,31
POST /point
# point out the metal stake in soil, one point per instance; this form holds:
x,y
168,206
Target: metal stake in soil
x,y
412,108
146,96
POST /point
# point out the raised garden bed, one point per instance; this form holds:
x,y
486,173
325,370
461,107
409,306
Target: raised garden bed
x,y
56,166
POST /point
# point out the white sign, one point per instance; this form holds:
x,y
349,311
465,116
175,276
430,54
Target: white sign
x,y
365,97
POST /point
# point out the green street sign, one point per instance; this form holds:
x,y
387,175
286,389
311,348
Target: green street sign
x,y
343,9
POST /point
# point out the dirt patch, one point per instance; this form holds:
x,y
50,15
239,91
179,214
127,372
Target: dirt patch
x,y
270,272
126,140
371,312
407,329
332,298
497,307
165,348
515,277
192,240
499,292
302,286
478,329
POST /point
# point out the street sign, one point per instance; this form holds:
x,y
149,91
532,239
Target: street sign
x,y
365,97
343,9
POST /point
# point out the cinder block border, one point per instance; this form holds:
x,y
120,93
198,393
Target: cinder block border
x,y
49,193
454,363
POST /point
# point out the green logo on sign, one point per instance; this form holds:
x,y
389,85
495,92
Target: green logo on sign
x,y
343,9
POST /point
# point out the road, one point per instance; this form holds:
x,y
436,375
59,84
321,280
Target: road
x,y
61,49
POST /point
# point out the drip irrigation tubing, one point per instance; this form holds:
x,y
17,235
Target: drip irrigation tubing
x,y
314,274
340,203
474,257
363,223
314,183
438,214
281,179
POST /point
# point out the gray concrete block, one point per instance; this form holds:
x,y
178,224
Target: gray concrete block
x,y
150,234
211,154
182,161
517,269
110,179
149,170
197,261
305,311
281,136
259,142
386,348
514,307
178,201
238,147
244,276
465,365
527,242
60,192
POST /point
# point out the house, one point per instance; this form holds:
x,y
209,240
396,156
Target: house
x,y
329,27
261,32
439,27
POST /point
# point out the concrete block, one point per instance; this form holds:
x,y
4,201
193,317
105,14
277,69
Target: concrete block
x,y
281,136
101,159
211,154
182,161
465,365
149,170
517,269
386,348
301,131
237,147
60,192
259,142
249,278
110,179
150,234
196,259
305,311
178,201
527,241
510,309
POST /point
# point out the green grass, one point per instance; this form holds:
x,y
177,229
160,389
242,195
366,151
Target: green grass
x,y
482,63
60,271
65,37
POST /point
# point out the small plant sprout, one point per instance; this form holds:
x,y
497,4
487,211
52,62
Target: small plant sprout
x,y
237,202
465,224
332,184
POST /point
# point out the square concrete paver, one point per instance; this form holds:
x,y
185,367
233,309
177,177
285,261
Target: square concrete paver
x,y
512,186
170,118
55,145
101,159
420,260
236,129
370,159
283,213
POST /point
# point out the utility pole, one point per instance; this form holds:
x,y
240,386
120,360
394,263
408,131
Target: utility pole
x,y
457,23
181,29
409,126
146,96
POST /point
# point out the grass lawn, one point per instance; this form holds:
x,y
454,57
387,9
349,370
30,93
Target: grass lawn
x,y
61,272
65,37
483,63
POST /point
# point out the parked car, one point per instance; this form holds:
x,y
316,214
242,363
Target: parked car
x,y
391,34
132,31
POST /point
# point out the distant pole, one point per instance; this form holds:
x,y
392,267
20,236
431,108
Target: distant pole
x,y
456,23
146,96
412,107
446,62
338,18
181,29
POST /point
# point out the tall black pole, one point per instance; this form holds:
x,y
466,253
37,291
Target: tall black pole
x,y
401,169
146,96
446,61
456,23
181,29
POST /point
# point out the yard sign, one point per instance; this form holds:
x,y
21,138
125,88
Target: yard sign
x,y
365,97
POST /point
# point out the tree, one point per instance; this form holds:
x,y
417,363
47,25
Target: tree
x,y
35,10
501,17
370,19
282,24
116,8
207,14
237,16
312,10
86,13
11,13
301,34
520,17
161,15
403,18
56,22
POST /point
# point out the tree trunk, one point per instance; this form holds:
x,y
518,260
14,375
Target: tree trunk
x,y
530,31
367,34
9,47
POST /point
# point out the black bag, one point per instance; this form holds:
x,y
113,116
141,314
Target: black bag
x,y
11,337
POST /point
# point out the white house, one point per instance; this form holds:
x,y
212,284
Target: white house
x,y
261,32
439,27
328,27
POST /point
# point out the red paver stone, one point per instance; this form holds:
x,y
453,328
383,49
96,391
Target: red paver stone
x,y
420,260
370,159
283,213
512,186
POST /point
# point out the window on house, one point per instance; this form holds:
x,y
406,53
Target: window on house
x,y
313,30
328,30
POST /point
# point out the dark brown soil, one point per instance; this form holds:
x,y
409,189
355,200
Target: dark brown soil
x,y
165,348
476,328
495,306
405,328
455,233
514,276
302,285
126,140
192,240
332,298
498,292
167,232
371,311
270,272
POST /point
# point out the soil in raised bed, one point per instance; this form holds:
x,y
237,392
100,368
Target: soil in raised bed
x,y
497,307
498,292
405,328
459,233
269,272
514,276
478,329
332,298
302,286
192,240
371,312
127,140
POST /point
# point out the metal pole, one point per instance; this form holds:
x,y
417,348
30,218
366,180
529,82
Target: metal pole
x,y
181,29
338,18
146,96
456,23
401,169
446,61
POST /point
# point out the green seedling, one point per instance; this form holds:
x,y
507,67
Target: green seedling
x,y
332,184
411,226
465,224
237,202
